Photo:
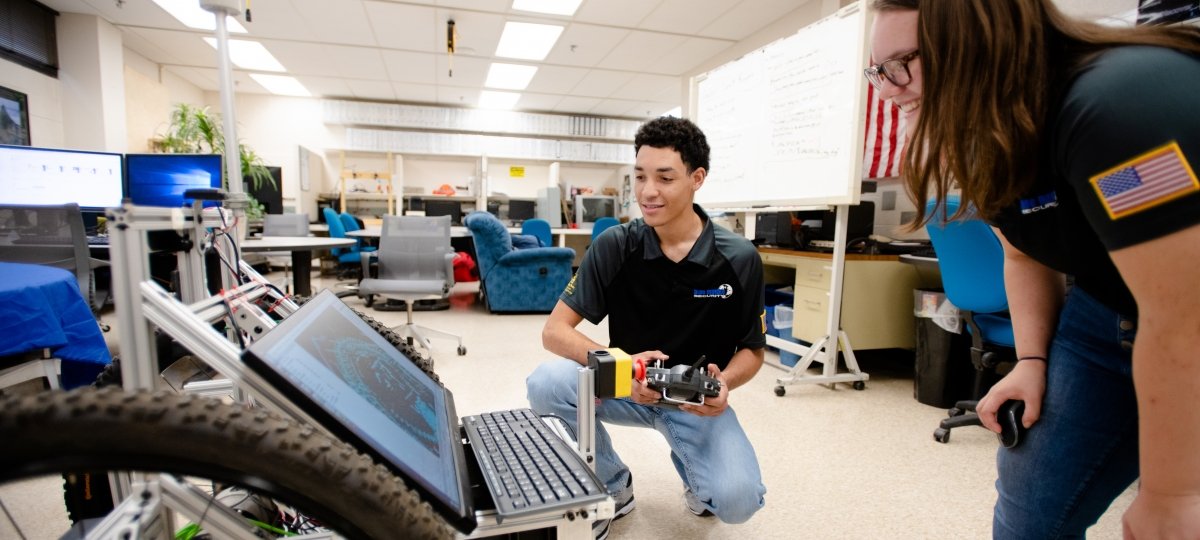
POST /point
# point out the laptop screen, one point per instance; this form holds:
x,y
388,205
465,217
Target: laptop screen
x,y
367,392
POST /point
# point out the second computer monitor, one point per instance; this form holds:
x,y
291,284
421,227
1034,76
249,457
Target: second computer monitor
x,y
589,208
521,210
162,179
435,207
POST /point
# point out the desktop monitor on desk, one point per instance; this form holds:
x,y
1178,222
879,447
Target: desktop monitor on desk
x,y
519,211
589,208
46,176
436,207
161,179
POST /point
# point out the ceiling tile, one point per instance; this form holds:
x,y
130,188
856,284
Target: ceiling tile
x,y
457,96
612,107
346,24
152,50
749,17
556,79
410,67
400,26
187,48
689,54
376,90
591,44
627,13
276,19
538,102
496,6
686,16
415,93
467,71
576,104
600,83
645,86
326,86
640,51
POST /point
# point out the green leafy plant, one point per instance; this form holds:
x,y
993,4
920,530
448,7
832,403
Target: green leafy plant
x,y
195,130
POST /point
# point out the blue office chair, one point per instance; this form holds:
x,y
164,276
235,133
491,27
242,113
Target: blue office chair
x,y
350,223
601,225
971,260
349,258
539,228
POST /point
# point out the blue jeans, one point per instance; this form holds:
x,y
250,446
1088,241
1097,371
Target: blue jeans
x,y
712,455
1082,453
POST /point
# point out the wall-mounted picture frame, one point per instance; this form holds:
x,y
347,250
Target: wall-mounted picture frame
x,y
14,117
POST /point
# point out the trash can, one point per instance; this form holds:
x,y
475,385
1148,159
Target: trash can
x,y
782,323
943,373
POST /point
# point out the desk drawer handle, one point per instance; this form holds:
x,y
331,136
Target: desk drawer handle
x,y
813,304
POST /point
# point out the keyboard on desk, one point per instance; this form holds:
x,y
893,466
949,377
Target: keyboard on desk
x,y
527,467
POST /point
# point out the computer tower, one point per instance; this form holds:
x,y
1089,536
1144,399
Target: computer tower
x,y
549,205
774,229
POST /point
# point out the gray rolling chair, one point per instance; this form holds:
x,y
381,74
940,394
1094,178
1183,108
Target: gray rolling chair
x,y
284,225
415,262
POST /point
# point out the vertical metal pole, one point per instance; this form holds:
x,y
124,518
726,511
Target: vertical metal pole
x,y
236,199
585,416
840,231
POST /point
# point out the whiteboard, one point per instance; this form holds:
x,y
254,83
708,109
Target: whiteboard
x,y
786,122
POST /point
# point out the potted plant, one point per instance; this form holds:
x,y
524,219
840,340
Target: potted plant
x,y
195,130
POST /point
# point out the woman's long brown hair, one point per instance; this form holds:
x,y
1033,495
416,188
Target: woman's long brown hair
x,y
991,71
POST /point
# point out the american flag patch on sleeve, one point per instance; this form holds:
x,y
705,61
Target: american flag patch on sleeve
x,y
1151,179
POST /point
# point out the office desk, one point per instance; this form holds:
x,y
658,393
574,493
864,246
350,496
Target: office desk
x,y
41,307
877,296
301,248
375,231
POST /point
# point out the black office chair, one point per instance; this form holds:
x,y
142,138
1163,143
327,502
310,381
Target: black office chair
x,y
971,260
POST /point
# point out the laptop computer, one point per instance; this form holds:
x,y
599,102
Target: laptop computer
x,y
331,363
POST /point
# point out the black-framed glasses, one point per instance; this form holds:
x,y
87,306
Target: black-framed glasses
x,y
895,70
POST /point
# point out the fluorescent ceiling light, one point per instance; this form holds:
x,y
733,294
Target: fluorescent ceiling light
x,y
192,15
489,99
249,55
553,7
527,41
283,85
509,76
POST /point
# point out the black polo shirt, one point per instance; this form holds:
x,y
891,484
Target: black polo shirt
x,y
1120,168
710,303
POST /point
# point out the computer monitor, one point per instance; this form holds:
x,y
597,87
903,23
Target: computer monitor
x,y
521,210
47,176
589,208
435,207
161,179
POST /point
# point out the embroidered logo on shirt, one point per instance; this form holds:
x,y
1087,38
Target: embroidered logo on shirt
x,y
724,291
570,290
1146,181
1039,203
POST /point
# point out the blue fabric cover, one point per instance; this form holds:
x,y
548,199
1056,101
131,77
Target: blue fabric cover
x,y
525,280
337,229
41,307
525,241
539,228
602,225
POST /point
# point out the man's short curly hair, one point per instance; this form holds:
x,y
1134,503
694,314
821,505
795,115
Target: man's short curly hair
x,y
678,134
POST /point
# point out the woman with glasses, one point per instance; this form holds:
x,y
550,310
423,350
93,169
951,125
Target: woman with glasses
x,y
1080,143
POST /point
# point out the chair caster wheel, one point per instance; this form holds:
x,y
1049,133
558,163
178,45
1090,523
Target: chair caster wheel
x,y
779,391
955,411
462,351
859,385
369,300
941,435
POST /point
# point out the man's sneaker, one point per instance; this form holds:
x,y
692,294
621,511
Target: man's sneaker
x,y
624,504
694,505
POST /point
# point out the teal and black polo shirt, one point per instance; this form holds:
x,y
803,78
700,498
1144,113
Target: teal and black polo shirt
x,y
1120,169
710,303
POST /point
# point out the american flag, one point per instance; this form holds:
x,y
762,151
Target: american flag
x,y
884,141
1154,178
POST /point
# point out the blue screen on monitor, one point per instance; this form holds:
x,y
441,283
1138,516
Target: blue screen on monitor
x,y
45,176
161,179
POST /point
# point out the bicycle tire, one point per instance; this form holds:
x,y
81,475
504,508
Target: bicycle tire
x,y
157,431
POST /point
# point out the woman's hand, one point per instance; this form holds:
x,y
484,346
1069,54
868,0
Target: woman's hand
x,y
1026,382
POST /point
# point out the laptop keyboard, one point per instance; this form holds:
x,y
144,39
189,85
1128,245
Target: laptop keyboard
x,y
527,467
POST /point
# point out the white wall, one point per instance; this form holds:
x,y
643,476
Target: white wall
x,y
44,96
91,72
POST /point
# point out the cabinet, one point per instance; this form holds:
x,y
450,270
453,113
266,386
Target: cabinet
x,y
877,300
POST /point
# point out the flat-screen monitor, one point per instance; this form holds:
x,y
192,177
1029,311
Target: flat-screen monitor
x,y
521,210
47,176
435,207
161,179
589,208
269,195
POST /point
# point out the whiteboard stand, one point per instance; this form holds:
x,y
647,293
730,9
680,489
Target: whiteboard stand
x,y
825,350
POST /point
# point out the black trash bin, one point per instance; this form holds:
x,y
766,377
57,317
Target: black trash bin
x,y
943,373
